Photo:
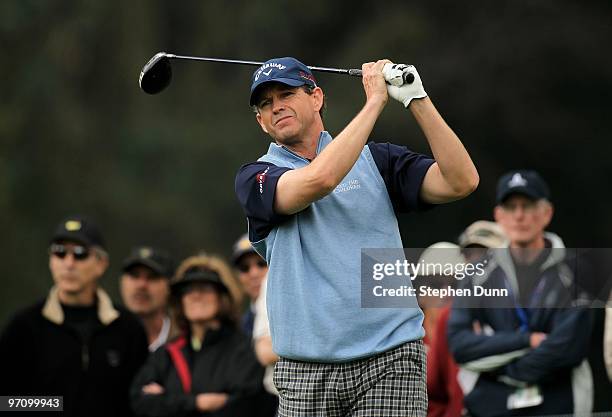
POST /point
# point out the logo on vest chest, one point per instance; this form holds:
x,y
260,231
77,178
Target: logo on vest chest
x,y
347,186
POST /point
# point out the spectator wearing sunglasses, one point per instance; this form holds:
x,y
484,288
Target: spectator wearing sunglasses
x,y
252,272
252,269
74,343
145,288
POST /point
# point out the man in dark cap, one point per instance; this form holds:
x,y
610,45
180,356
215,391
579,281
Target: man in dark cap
x,y
145,288
523,208
75,343
527,349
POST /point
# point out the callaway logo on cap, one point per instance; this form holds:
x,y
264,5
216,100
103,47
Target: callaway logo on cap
x,y
269,67
288,71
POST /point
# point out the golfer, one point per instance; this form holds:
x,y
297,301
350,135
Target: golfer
x,y
312,203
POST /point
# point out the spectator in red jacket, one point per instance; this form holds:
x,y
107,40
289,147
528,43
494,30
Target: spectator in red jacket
x,y
443,391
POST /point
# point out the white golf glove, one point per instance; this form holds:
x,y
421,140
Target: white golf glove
x,y
397,76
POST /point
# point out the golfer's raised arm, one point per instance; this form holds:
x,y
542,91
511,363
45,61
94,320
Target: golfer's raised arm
x,y
296,189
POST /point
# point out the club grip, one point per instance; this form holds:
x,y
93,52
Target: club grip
x,y
408,78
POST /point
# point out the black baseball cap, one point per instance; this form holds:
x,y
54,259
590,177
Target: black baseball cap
x,y
158,260
525,182
197,275
287,70
78,229
242,247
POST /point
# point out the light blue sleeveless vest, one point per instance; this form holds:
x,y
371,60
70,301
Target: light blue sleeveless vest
x,y
314,287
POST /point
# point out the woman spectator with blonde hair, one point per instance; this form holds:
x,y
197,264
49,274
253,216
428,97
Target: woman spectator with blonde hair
x,y
210,366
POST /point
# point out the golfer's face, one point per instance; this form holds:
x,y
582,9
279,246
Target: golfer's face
x,y
285,113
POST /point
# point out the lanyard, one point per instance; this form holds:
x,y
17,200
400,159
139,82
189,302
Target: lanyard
x,y
522,313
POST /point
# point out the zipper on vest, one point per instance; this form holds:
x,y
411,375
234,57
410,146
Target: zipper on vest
x,y
85,357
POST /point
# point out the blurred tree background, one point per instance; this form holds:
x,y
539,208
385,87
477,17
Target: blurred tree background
x,y
525,84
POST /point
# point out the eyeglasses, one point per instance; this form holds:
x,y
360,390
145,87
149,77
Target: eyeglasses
x,y
246,266
526,206
79,253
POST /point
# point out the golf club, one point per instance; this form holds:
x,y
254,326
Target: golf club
x,y
157,73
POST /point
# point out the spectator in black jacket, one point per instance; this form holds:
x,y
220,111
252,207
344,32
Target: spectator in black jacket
x,y
75,343
524,354
210,368
145,290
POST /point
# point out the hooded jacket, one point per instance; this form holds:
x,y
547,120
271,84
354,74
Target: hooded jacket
x,y
499,360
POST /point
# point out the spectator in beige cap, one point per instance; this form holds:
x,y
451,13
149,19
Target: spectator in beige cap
x,y
480,236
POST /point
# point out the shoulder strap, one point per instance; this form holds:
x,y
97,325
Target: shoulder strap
x,y
180,363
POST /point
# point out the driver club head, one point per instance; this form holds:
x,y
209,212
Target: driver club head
x,y
156,74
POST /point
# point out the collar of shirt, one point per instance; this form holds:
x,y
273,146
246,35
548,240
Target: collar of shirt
x,y
162,336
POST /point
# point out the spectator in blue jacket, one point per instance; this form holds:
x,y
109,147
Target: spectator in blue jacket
x,y
524,354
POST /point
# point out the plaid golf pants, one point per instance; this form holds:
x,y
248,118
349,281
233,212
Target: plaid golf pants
x,y
389,384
